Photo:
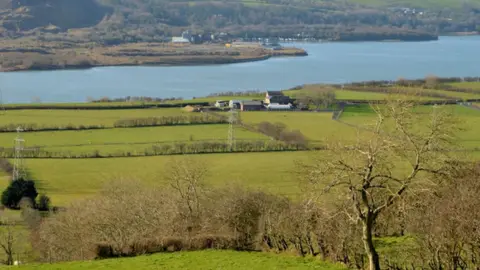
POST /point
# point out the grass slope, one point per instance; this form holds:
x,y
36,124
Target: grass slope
x,y
468,120
315,126
467,85
69,179
360,95
197,260
340,94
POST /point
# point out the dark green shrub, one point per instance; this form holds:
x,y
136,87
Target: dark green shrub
x,y
17,190
44,203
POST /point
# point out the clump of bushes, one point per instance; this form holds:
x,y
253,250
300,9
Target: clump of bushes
x,y
221,218
44,203
279,131
6,166
170,121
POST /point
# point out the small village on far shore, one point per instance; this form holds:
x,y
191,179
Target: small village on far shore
x,y
224,38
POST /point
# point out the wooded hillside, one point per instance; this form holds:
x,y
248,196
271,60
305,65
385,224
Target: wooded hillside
x,y
119,21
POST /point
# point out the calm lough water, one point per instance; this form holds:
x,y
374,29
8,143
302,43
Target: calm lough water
x,y
327,63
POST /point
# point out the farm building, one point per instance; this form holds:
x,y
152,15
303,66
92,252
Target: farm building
x,y
180,40
221,103
252,105
276,97
235,104
185,38
279,107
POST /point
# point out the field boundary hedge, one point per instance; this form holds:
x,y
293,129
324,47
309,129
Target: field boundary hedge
x,y
174,148
134,143
32,127
87,106
122,123
200,119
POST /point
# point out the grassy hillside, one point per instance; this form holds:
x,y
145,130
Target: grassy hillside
x,y
224,260
67,180
127,21
468,120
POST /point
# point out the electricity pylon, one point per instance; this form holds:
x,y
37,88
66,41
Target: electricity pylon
x,y
232,119
2,106
18,165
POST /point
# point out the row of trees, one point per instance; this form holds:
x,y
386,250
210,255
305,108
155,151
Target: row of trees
x,y
290,141
201,119
28,127
317,98
279,131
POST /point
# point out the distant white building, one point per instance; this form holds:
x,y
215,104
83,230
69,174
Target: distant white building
x,y
235,104
221,103
279,107
185,38
180,40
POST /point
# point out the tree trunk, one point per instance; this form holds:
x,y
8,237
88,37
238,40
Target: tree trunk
x,y
367,224
310,245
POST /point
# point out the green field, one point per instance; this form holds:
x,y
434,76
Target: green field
x,y
124,139
69,179
315,126
342,94
451,94
81,117
197,260
467,85
429,94
468,120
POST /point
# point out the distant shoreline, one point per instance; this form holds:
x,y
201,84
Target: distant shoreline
x,y
142,55
461,34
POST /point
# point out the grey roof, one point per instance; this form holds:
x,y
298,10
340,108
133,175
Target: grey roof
x,y
275,93
252,103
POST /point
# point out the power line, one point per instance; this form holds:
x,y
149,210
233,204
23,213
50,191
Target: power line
x,y
18,165
2,106
232,119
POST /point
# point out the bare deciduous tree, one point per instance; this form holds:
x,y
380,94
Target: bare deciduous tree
x,y
10,239
446,224
186,177
400,154
431,81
